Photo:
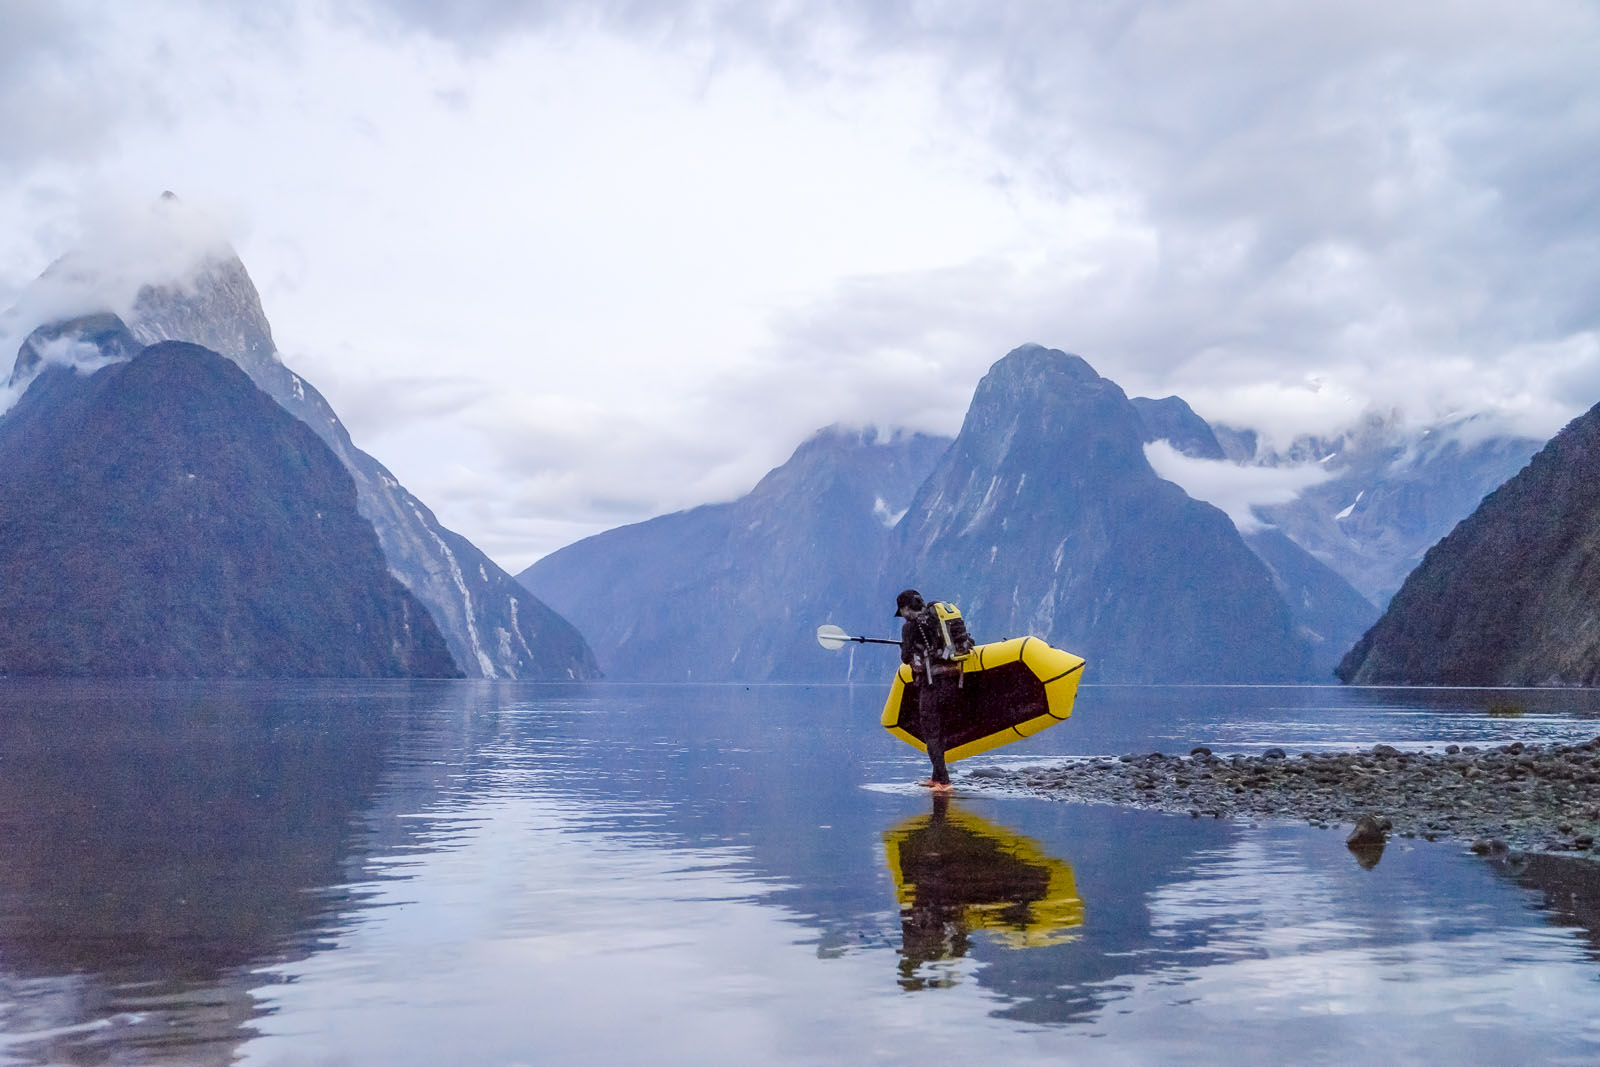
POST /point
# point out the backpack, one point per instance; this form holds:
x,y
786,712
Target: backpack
x,y
958,644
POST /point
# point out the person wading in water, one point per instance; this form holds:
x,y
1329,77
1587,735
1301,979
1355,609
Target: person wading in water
x,y
922,645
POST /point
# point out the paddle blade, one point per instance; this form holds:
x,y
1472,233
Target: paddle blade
x,y
831,637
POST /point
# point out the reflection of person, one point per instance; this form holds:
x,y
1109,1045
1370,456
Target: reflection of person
x,y
933,926
958,874
938,679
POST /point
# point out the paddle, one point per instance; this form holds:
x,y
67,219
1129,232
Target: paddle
x,y
832,637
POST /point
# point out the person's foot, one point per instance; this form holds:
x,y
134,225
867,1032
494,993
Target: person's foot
x,y
927,783
941,787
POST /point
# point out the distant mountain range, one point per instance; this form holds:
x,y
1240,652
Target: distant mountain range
x,y
1042,516
493,626
1510,597
735,591
163,517
1391,493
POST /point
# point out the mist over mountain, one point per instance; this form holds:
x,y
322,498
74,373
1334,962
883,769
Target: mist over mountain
x,y
1508,598
1043,516
1389,494
735,591
163,517
1329,613
493,626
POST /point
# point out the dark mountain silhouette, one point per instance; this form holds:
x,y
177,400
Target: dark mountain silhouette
x,y
163,517
1509,597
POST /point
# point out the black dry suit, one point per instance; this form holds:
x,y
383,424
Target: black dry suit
x,y
938,681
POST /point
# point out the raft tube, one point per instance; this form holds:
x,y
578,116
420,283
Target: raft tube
x,y
1009,690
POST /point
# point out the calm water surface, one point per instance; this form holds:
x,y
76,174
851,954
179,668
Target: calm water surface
x,y
518,874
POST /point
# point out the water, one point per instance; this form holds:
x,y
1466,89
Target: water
x,y
429,873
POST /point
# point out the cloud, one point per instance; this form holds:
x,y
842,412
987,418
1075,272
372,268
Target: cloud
x,y
709,227
1234,488
120,246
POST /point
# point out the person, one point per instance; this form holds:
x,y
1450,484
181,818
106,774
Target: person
x,y
938,679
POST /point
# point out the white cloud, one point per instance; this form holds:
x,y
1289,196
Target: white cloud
x,y
712,227
120,244
1235,488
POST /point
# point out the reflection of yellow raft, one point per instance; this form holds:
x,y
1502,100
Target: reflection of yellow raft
x,y
1009,690
955,868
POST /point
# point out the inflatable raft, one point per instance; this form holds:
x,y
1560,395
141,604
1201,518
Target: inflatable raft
x,y
1009,690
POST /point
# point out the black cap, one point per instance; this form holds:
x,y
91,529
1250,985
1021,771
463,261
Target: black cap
x,y
910,598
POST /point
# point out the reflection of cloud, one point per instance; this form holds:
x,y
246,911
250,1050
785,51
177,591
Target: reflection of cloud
x,y
1233,487
1283,949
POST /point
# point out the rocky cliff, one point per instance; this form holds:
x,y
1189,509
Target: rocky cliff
x,y
1509,597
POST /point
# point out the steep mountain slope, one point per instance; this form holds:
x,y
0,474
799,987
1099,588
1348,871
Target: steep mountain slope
x,y
735,591
1329,614
1172,420
494,627
1509,597
1044,517
163,517
1391,494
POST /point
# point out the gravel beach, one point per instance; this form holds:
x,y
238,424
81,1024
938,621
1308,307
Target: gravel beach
x,y
1518,797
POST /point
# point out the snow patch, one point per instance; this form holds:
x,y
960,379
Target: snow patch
x,y
985,507
1347,512
882,512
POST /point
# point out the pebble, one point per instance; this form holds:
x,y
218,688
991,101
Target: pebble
x,y
1517,797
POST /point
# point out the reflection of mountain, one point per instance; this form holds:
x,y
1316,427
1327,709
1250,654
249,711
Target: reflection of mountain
x,y
1570,888
162,842
956,873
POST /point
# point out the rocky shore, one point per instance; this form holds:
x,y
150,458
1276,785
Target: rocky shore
x,y
1517,797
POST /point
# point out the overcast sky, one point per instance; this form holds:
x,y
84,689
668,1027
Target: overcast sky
x,y
567,265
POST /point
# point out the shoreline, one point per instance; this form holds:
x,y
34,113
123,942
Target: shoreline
x,y
1515,797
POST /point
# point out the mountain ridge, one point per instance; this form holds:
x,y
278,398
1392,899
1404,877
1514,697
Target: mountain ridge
x,y
1506,599
163,517
494,627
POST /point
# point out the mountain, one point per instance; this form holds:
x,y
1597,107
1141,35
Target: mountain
x,y
493,626
1172,420
1391,494
1329,613
1508,598
1045,518
734,591
163,517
